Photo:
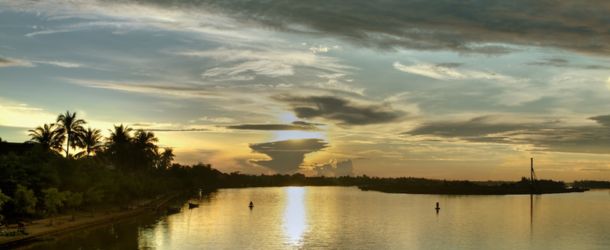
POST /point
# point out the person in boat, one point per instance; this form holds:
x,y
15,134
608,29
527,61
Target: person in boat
x,y
251,204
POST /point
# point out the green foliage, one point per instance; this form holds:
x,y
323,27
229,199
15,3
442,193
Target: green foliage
x,y
73,200
53,200
3,199
24,200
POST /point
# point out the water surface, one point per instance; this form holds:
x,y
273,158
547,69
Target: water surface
x,y
347,218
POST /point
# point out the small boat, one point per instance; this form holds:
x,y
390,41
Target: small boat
x,y
193,205
251,205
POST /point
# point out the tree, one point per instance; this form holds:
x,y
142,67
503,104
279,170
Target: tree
x,y
118,144
72,128
145,147
24,200
166,158
3,199
53,200
73,201
49,136
91,141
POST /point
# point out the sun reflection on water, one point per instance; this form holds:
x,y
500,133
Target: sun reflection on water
x,y
295,222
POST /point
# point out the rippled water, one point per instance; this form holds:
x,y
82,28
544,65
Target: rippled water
x,y
347,218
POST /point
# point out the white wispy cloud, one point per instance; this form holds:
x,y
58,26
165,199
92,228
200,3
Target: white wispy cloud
x,y
271,63
441,72
218,119
126,16
61,64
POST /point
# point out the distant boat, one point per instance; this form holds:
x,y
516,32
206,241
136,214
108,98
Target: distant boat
x,y
251,205
193,205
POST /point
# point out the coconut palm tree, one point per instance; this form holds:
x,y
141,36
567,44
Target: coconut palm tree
x,y
91,141
165,159
49,136
145,148
120,136
119,146
72,128
145,141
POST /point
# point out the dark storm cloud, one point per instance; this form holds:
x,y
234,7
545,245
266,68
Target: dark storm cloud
x,y
546,135
562,63
297,125
341,110
286,156
602,119
472,128
432,25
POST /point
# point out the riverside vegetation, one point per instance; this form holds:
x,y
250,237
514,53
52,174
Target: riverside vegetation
x,y
43,177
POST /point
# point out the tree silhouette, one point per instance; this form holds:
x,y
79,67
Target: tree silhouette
x,y
166,158
72,128
119,145
144,148
91,141
120,136
49,136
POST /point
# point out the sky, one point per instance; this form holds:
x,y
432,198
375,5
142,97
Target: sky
x,y
436,89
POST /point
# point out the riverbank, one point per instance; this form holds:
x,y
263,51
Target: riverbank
x,y
41,229
468,190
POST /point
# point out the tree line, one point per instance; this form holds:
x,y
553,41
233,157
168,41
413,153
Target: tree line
x,y
69,167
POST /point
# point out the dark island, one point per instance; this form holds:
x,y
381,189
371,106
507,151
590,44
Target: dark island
x,y
428,186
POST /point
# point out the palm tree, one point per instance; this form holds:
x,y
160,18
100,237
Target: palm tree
x,y
145,148
119,145
166,158
145,140
120,136
72,128
49,136
91,141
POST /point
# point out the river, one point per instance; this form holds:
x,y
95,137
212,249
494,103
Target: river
x,y
347,218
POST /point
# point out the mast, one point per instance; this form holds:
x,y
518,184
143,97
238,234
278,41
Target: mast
x,y
532,170
532,175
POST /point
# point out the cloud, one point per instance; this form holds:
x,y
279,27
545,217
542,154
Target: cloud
x,y
564,63
22,115
247,63
341,110
296,125
489,27
10,62
61,64
335,168
476,26
219,119
449,71
547,135
603,120
288,155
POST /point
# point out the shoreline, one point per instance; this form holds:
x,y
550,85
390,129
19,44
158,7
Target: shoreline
x,y
474,191
41,228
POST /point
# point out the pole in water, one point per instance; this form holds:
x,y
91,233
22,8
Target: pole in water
x,y
438,207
